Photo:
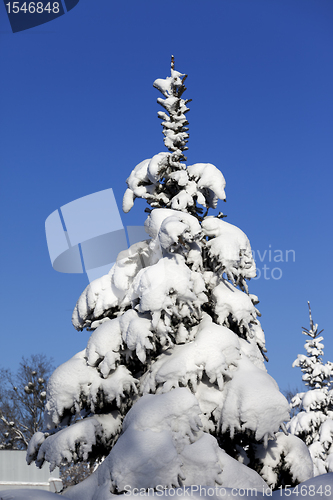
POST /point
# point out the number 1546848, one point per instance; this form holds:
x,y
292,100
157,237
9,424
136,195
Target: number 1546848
x,y
32,7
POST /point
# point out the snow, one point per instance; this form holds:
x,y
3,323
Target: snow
x,y
168,226
167,286
208,177
304,421
292,448
77,440
236,475
97,296
319,458
156,166
172,387
231,302
110,291
29,494
166,450
313,399
326,433
251,350
184,198
137,459
70,379
105,339
230,248
138,176
253,401
165,85
146,454
213,352
73,385
314,422
136,333
202,181
320,487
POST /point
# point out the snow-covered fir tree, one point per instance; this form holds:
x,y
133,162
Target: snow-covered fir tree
x,y
172,388
314,421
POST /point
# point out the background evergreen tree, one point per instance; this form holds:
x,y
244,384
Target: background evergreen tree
x,y
172,388
314,421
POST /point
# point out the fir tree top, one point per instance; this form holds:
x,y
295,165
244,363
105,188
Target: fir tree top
x,y
316,374
163,180
174,121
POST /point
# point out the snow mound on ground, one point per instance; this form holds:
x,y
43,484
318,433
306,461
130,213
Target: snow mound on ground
x,y
320,487
166,450
148,453
137,460
193,456
218,467
30,494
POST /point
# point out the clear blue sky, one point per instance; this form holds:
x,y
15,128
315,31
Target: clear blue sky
x,y
78,112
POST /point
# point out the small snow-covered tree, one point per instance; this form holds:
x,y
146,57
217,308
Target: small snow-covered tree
x,y
172,387
314,421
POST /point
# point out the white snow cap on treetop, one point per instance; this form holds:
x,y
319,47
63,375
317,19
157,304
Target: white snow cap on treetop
x,y
165,85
